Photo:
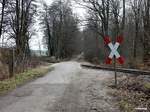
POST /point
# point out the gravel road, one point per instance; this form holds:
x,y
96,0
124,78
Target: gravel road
x,y
69,88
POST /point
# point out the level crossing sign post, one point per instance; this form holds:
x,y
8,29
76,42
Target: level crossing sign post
x,y
114,54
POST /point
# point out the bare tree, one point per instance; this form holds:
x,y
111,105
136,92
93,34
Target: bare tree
x,y
146,22
3,4
102,8
124,15
60,29
21,21
136,7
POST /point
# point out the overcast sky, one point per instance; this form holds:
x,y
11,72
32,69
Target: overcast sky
x,y
37,39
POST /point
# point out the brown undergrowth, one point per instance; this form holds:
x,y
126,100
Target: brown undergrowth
x,y
133,92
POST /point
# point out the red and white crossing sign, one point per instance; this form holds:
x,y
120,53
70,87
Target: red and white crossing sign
x,y
113,48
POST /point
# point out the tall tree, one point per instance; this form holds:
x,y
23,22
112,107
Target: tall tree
x,y
22,18
136,7
60,29
102,8
3,14
146,22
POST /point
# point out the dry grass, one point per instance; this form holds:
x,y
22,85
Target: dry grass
x,y
134,92
24,77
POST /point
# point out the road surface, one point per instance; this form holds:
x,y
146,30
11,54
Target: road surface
x,y
69,88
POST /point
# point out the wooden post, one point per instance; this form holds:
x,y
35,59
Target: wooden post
x,y
13,60
11,63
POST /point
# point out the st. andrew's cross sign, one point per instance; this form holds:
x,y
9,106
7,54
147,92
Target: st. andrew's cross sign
x,y
114,48
114,53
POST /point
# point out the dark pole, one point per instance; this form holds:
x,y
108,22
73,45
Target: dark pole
x,y
115,72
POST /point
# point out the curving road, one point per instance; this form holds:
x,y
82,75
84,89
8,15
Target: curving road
x,y
69,88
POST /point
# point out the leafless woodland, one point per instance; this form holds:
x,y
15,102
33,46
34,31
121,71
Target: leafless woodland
x,y
63,36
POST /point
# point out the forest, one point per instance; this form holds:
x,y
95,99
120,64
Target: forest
x,y
73,47
66,36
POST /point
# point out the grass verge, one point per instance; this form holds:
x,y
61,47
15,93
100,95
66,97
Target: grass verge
x,y
19,79
132,93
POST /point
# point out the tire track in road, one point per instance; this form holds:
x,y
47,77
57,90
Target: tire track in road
x,y
87,93
69,88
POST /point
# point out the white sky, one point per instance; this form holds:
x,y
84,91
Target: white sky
x,y
34,42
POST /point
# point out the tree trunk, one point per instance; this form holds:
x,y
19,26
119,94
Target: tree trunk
x,y
135,39
147,32
2,17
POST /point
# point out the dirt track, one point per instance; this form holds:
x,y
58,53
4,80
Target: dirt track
x,y
68,88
